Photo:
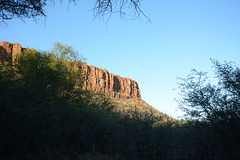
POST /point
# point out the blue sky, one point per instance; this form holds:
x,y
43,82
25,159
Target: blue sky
x,y
183,34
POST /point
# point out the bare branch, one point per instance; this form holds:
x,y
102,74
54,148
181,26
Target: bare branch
x,y
107,7
22,9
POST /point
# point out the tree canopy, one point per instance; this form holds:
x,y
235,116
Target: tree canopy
x,y
215,107
45,114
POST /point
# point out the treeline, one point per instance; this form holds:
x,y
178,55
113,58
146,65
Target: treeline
x,y
45,114
213,112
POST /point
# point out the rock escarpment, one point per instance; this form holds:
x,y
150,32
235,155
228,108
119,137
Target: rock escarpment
x,y
96,79
111,85
8,50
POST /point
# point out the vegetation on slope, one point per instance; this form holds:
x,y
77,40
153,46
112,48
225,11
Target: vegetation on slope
x,y
123,105
44,114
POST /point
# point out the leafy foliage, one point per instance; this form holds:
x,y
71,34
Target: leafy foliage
x,y
44,114
216,107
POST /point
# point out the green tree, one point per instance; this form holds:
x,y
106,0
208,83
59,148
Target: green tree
x,y
44,111
36,94
53,70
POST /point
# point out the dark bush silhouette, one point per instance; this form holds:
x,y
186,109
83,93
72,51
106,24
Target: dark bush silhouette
x,y
214,110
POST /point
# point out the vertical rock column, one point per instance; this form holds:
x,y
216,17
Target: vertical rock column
x,y
8,51
111,85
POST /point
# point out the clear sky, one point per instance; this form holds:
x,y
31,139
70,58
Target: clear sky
x,y
183,34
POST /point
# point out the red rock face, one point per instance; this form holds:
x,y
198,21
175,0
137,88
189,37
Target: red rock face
x,y
8,50
97,79
111,85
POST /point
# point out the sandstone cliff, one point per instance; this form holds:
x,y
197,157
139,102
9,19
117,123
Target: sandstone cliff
x,y
110,84
94,78
9,50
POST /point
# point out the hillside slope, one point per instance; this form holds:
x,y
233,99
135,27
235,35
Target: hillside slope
x,y
124,92
123,105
